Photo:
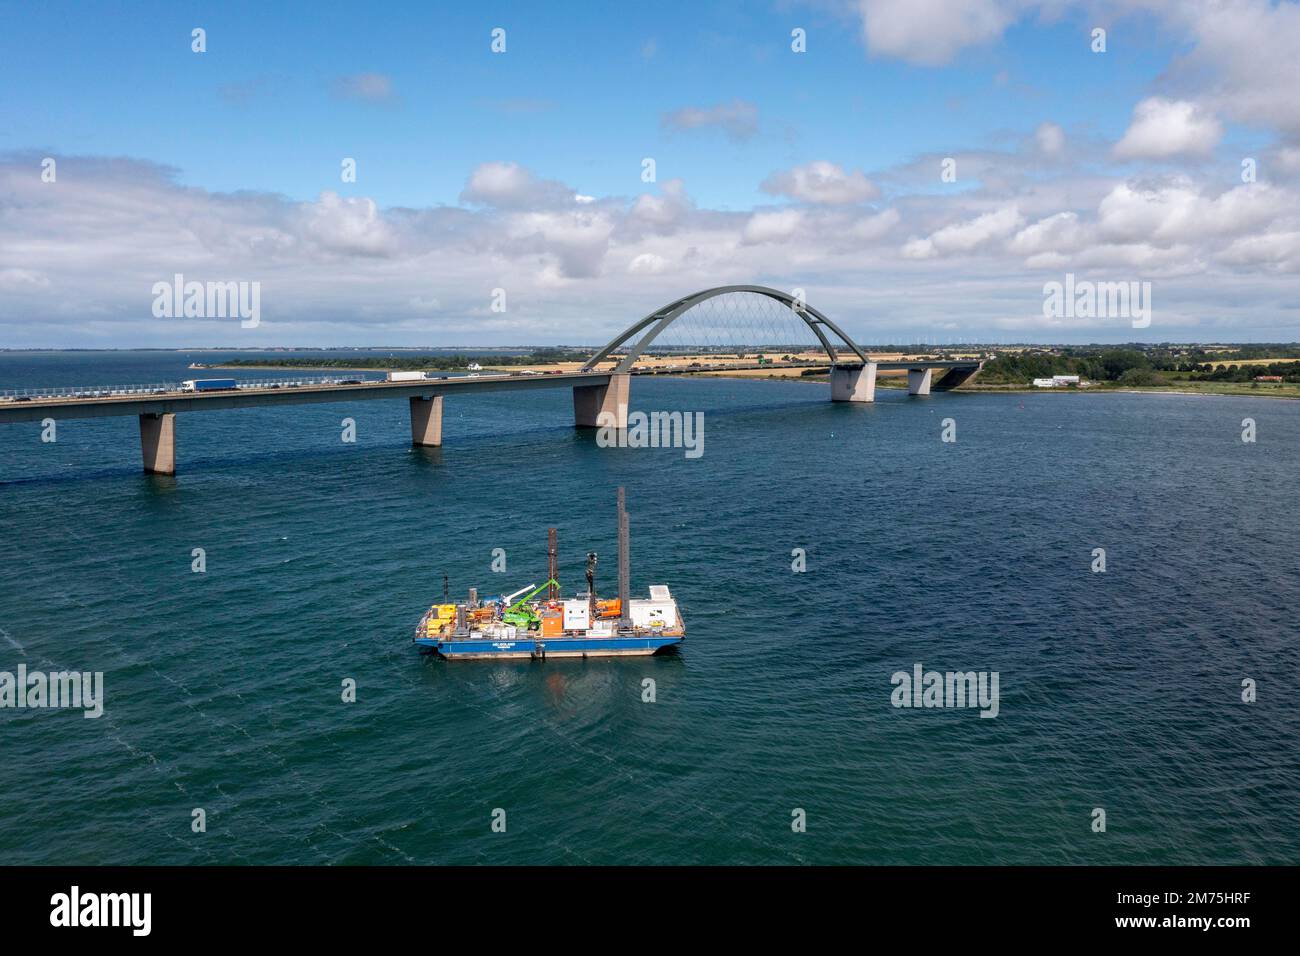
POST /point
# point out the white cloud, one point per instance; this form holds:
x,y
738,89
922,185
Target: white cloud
x,y
577,241
1062,232
822,182
1177,211
345,225
662,213
511,185
1287,159
1246,60
1241,63
1163,128
872,228
79,258
738,119
1279,251
918,249
1050,139
23,280
647,264
965,237
772,226
931,32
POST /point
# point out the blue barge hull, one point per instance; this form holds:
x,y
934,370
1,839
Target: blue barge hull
x,y
536,648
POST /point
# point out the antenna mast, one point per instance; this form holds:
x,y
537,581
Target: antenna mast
x,y
624,562
553,564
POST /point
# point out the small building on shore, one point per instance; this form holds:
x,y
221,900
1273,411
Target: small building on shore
x,y
1059,381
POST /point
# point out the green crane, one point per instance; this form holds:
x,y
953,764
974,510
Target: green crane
x,y
520,614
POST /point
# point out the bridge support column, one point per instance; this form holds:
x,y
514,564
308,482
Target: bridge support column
x,y
158,443
590,401
854,384
426,421
918,381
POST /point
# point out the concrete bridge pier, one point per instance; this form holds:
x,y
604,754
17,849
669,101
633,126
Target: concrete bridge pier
x,y
158,443
426,421
918,381
590,401
854,384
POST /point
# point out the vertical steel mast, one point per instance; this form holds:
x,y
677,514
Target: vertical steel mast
x,y
553,564
624,562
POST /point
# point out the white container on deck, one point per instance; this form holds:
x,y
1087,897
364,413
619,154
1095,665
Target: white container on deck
x,y
659,611
577,615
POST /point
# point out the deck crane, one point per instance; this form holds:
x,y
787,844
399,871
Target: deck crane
x,y
519,613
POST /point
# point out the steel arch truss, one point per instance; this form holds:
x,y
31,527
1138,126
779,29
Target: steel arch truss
x,y
657,321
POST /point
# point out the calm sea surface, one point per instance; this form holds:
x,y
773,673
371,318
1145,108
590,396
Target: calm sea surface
x,y
1119,690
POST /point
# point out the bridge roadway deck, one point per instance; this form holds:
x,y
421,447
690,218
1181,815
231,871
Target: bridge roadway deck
x,y
65,407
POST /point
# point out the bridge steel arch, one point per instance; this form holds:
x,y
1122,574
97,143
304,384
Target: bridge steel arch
x,y
660,319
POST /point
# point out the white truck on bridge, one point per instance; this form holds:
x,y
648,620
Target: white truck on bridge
x,y
208,385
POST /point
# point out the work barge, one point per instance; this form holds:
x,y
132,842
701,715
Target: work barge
x,y
536,623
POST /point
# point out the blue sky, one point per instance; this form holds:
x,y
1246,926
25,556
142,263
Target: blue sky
x,y
576,97
259,123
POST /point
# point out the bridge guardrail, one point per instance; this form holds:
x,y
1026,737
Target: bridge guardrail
x,y
156,388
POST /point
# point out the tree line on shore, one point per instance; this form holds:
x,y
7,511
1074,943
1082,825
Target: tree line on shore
x,y
1130,366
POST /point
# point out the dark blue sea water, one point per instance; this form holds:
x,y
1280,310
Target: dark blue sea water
x,y
1119,690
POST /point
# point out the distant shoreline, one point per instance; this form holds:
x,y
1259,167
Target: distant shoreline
x,y
289,368
884,383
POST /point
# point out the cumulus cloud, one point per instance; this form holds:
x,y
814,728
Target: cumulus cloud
x,y
1056,234
772,226
822,182
1241,63
80,257
1244,60
347,226
577,240
1177,211
872,228
966,237
738,119
663,213
510,185
1278,252
647,263
1163,128
931,32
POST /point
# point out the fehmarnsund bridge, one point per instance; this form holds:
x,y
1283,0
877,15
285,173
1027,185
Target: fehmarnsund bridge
x,y
601,387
